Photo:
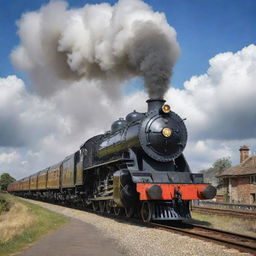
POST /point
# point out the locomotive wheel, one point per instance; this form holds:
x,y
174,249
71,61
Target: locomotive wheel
x,y
129,211
117,211
102,205
146,211
95,206
108,207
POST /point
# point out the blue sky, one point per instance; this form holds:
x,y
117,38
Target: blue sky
x,y
204,29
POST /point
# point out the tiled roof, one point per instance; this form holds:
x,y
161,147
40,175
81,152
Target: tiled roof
x,y
247,167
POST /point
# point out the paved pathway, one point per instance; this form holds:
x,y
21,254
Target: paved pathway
x,y
76,238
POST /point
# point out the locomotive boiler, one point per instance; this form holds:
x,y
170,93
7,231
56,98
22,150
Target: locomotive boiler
x,y
137,167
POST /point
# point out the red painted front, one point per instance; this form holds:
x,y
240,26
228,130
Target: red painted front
x,y
188,191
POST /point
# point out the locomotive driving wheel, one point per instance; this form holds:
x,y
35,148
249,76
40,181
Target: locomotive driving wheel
x,y
146,211
102,205
95,206
108,206
129,211
117,211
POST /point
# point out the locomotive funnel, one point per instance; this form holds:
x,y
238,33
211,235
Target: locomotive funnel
x,y
154,104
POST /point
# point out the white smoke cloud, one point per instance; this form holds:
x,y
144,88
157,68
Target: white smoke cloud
x,y
100,42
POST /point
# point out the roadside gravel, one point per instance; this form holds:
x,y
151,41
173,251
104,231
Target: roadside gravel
x,y
144,241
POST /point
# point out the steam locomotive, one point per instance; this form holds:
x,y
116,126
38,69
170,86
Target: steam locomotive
x,y
135,168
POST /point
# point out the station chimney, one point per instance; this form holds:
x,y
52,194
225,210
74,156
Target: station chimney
x,y
244,153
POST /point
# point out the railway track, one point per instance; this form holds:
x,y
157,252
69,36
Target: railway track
x,y
232,240
240,242
224,212
237,241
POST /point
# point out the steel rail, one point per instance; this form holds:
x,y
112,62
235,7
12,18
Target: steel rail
x,y
238,241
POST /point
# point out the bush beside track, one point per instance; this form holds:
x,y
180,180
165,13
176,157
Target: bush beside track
x,y
22,223
4,205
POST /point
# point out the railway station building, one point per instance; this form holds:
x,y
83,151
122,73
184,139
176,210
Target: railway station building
x,y
239,181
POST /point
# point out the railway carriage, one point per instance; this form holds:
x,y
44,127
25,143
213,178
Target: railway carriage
x,y
42,177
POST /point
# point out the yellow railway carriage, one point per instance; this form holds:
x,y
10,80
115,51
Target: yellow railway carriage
x,y
33,182
53,179
42,179
25,184
68,172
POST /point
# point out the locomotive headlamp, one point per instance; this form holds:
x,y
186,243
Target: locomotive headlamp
x,y
167,132
166,109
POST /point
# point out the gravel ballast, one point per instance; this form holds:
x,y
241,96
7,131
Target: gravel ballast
x,y
144,241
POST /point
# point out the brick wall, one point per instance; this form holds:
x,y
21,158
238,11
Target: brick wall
x,y
252,189
233,190
241,190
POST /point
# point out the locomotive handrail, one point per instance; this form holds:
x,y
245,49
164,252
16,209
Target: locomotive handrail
x,y
110,162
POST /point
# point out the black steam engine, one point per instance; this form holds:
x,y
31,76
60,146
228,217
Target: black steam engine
x,y
137,167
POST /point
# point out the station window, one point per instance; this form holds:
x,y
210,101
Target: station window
x,y
253,198
253,179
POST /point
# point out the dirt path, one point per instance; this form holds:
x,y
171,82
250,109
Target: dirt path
x,y
76,238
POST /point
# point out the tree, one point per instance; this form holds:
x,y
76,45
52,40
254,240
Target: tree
x,y
5,180
217,168
222,164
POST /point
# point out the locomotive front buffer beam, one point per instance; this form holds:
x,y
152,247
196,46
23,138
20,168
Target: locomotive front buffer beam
x,y
149,191
170,201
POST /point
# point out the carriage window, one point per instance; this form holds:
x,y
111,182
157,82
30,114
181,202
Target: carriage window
x,y
78,156
83,152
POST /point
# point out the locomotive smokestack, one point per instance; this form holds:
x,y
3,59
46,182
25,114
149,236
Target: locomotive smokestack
x,y
155,104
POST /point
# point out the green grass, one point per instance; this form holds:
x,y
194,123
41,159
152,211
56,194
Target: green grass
x,y
45,222
227,223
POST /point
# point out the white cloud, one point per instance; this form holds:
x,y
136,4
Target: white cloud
x,y
221,103
220,107
23,116
42,131
41,124
8,158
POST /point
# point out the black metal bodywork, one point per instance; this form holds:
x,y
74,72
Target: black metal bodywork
x,y
143,150
135,151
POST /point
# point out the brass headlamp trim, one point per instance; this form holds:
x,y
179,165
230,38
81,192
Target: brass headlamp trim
x,y
167,132
166,108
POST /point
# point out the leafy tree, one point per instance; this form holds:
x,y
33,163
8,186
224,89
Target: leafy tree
x,y
5,180
222,164
217,168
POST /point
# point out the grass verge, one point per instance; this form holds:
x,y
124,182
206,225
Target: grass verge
x,y
25,223
227,223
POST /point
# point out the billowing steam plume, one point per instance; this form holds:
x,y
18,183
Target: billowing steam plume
x,y
102,42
